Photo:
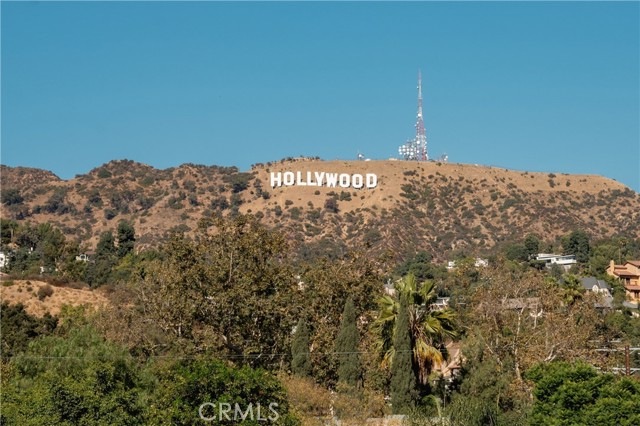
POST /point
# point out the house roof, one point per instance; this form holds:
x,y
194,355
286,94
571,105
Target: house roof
x,y
625,273
625,270
589,282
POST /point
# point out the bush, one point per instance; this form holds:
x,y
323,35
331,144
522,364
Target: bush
x,y
235,200
345,196
578,394
331,204
44,292
109,214
239,181
11,196
149,180
185,385
219,203
175,202
104,174
57,203
295,213
19,328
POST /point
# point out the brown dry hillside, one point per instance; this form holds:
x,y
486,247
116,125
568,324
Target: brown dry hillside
x,y
432,206
26,293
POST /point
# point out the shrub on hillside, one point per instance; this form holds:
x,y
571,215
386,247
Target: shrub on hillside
x,y
44,292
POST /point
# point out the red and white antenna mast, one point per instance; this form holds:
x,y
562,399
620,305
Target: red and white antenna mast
x,y
421,137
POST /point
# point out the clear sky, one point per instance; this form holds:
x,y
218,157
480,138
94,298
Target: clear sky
x,y
542,87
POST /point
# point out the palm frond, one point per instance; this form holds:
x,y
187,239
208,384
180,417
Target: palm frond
x,y
426,358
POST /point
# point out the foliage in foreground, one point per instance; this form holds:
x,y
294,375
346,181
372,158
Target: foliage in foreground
x,y
186,384
233,293
78,378
571,394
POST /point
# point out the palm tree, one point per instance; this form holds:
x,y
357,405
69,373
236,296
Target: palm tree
x,y
429,327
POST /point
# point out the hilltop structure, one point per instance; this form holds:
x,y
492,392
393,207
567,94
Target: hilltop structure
x,y
416,149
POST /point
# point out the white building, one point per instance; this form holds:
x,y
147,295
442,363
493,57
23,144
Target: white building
x,y
4,259
565,261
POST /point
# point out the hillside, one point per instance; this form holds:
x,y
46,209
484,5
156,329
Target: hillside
x,y
26,293
434,206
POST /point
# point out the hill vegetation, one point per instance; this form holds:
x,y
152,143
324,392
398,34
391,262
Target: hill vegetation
x,y
205,287
438,207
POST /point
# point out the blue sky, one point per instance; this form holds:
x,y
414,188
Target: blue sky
x,y
541,87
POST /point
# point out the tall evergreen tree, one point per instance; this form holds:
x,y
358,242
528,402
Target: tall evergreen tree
x,y
99,271
403,379
577,243
106,245
126,238
532,245
347,346
300,362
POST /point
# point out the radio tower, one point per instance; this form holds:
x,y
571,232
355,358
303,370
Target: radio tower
x,y
421,137
416,149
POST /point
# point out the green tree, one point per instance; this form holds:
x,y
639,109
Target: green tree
x,y
347,346
8,228
106,245
126,238
99,271
522,318
532,245
300,362
577,243
74,379
52,245
484,393
429,327
19,328
11,196
556,271
41,245
517,252
403,380
421,267
575,393
182,387
231,291
323,287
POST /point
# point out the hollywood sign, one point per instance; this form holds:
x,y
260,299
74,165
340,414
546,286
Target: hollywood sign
x,y
330,180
